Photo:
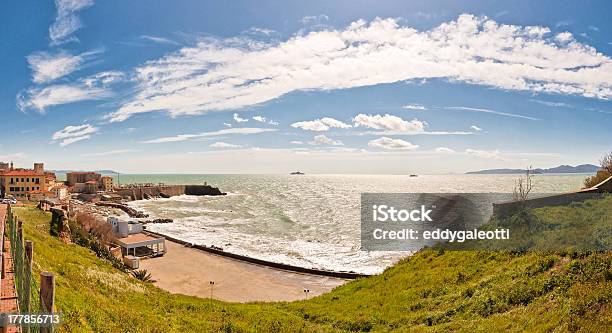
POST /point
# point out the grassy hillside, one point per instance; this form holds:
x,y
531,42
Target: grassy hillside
x,y
431,291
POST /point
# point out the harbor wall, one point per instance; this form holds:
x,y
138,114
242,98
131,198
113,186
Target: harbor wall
x,y
146,192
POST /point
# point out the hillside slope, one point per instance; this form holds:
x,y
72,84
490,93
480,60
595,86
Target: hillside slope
x,y
430,291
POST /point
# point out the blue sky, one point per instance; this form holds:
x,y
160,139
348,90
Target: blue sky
x,y
318,86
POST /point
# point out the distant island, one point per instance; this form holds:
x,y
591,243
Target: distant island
x,y
297,173
583,168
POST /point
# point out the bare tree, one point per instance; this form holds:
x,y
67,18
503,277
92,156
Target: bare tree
x,y
604,172
606,162
523,185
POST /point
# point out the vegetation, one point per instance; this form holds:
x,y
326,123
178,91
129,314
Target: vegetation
x,y
604,173
143,275
432,291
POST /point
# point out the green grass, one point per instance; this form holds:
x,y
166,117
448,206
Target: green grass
x,y
432,291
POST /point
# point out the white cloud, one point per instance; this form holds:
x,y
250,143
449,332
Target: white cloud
x,y
66,21
551,104
493,154
392,144
444,150
506,114
42,98
389,123
238,119
220,144
47,67
296,142
185,137
227,125
476,128
72,134
324,140
415,106
564,37
218,75
103,78
320,125
113,152
159,40
263,119
314,19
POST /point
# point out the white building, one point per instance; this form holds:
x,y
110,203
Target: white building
x,y
134,242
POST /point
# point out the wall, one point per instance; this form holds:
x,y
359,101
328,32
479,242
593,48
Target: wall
x,y
140,193
505,209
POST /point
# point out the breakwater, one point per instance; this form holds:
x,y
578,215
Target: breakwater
x,y
165,191
292,268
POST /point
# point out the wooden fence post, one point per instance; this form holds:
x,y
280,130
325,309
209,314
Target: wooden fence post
x,y
20,232
47,296
29,250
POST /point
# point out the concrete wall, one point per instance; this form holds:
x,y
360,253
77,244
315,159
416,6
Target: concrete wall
x,y
505,209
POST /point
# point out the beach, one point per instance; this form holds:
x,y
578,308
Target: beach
x,y
188,271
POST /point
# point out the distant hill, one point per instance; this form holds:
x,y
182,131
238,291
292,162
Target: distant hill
x,y
104,172
583,168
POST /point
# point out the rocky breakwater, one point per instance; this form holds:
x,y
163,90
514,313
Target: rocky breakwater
x,y
142,192
128,210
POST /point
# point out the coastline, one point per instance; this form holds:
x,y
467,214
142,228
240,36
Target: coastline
x,y
260,262
188,271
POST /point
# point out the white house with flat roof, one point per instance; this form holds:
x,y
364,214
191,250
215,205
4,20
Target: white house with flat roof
x,y
134,242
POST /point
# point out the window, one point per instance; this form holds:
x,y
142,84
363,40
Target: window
x,y
37,180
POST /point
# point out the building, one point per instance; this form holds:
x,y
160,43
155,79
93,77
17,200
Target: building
x,y
21,183
59,191
134,242
91,187
107,183
73,178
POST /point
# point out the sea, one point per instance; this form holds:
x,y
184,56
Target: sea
x,y
305,220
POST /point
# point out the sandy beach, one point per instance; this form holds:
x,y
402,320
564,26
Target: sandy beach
x,y
189,271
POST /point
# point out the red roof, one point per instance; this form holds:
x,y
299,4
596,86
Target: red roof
x,y
20,173
91,182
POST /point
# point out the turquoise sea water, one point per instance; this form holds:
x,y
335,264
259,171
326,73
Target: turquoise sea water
x,y
309,220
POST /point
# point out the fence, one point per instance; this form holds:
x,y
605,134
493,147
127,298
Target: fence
x,y
30,298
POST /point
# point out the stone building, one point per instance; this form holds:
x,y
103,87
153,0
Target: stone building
x,y
21,183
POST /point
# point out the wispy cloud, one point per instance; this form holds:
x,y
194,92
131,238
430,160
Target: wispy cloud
x,y
320,125
476,128
112,152
66,21
42,98
551,104
415,106
505,114
392,144
218,75
71,134
326,141
224,145
185,137
47,67
389,123
159,40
